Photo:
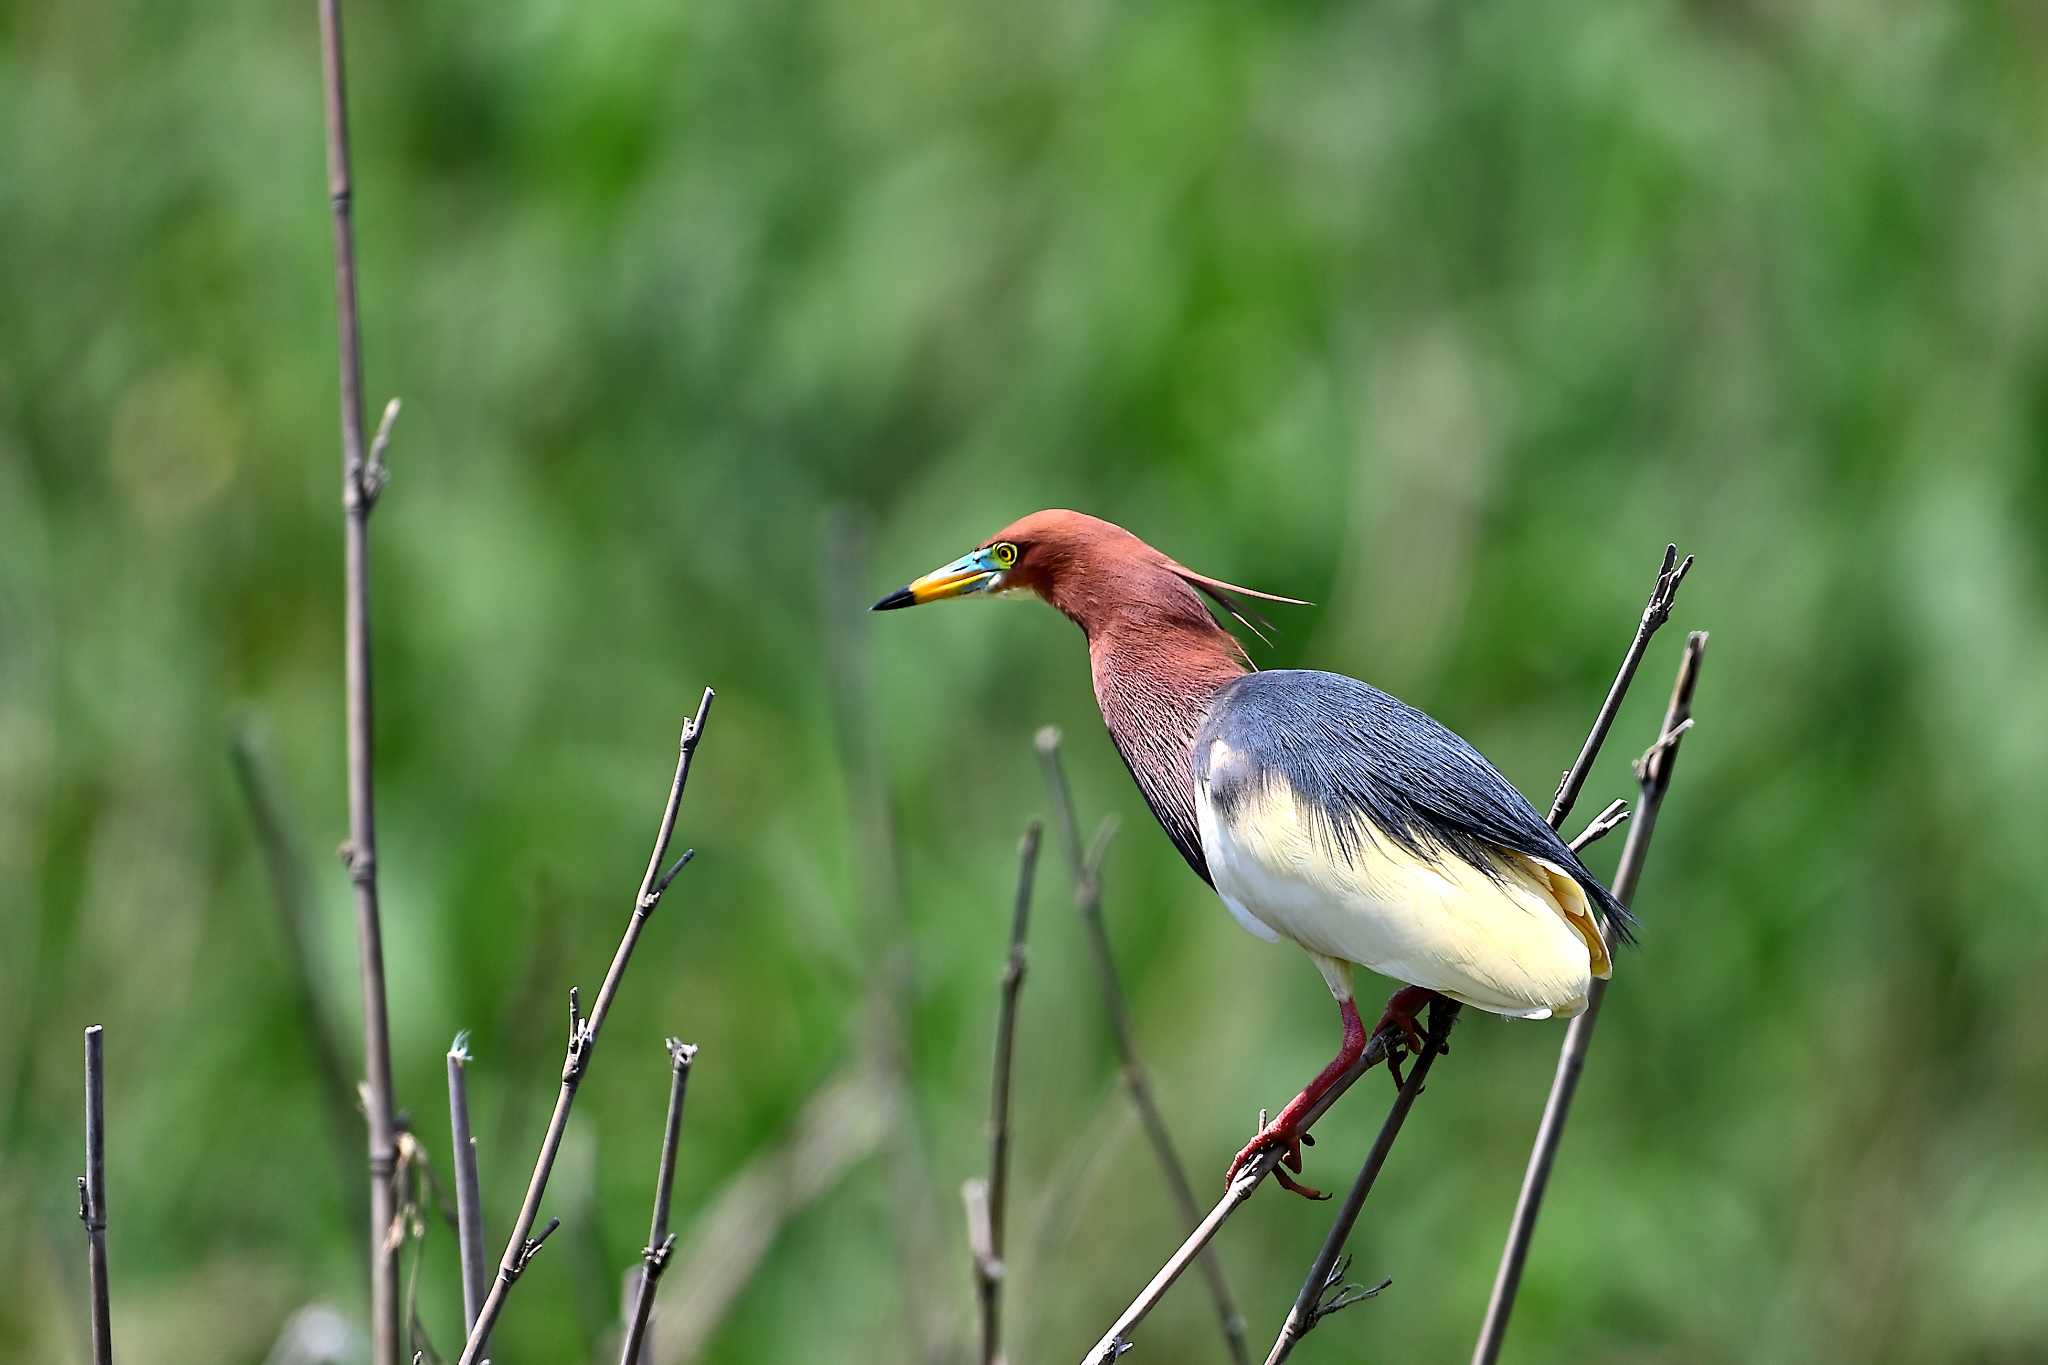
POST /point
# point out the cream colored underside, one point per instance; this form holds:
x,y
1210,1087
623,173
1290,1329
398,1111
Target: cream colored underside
x,y
1525,945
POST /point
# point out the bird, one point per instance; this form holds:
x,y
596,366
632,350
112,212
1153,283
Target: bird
x,y
1320,809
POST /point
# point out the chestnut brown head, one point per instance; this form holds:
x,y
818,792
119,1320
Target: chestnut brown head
x,y
1086,567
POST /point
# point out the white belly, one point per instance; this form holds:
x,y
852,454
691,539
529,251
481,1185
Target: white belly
x,y
1504,945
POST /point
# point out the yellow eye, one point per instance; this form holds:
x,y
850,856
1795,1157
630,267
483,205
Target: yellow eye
x,y
1005,554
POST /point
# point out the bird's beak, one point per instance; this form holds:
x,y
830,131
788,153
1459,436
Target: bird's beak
x,y
972,572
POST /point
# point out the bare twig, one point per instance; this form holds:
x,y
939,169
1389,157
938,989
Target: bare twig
x,y
92,1195
661,1242
469,1209
987,1200
1249,1177
360,484
1087,872
1384,1047
583,1034
284,861
1316,1300
1602,825
1655,613
1654,772
846,1121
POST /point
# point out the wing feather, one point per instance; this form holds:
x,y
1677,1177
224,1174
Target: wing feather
x,y
1369,765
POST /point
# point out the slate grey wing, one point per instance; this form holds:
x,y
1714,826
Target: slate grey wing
x,y
1352,752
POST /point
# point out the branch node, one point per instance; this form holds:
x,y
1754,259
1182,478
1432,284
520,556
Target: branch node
x,y
360,864
1666,592
693,728
1605,823
375,473
579,1040
657,1258
660,888
1665,743
527,1252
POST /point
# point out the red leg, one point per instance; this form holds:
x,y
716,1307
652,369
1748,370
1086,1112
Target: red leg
x,y
1287,1130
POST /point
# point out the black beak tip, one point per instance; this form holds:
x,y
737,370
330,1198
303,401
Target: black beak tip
x,y
897,599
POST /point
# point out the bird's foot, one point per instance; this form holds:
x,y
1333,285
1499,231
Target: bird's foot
x,y
1399,1019
1402,1007
1286,1134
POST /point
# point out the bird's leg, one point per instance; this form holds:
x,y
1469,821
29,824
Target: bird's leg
x,y
1291,1126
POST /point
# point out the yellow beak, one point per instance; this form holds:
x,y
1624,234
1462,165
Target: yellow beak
x,y
970,573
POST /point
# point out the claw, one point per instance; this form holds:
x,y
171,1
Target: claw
x,y
1400,1016
1288,1182
1281,1135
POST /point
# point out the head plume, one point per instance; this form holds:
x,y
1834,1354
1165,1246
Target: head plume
x,y
1086,566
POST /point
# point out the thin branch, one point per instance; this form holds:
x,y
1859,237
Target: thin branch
x,y
1655,613
1087,870
359,854
843,1123
661,1242
375,472
583,1034
92,1195
1250,1176
284,862
1654,772
1385,1046
987,1200
469,1208
1605,823
1317,1300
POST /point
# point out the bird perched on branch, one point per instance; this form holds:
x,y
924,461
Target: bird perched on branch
x,y
1320,809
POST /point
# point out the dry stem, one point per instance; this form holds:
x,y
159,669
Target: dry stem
x,y
469,1209
92,1195
987,1201
362,479
843,1123
660,1242
1654,772
521,1247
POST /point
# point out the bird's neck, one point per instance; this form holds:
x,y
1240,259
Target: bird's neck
x,y
1154,680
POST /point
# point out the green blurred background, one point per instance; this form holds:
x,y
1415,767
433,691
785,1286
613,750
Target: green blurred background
x,y
715,320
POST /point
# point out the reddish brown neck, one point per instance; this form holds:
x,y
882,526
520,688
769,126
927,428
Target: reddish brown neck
x,y
1158,658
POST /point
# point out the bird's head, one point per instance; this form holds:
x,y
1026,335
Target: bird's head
x,y
1083,565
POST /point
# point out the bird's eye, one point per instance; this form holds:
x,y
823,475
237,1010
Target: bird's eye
x,y
1005,554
